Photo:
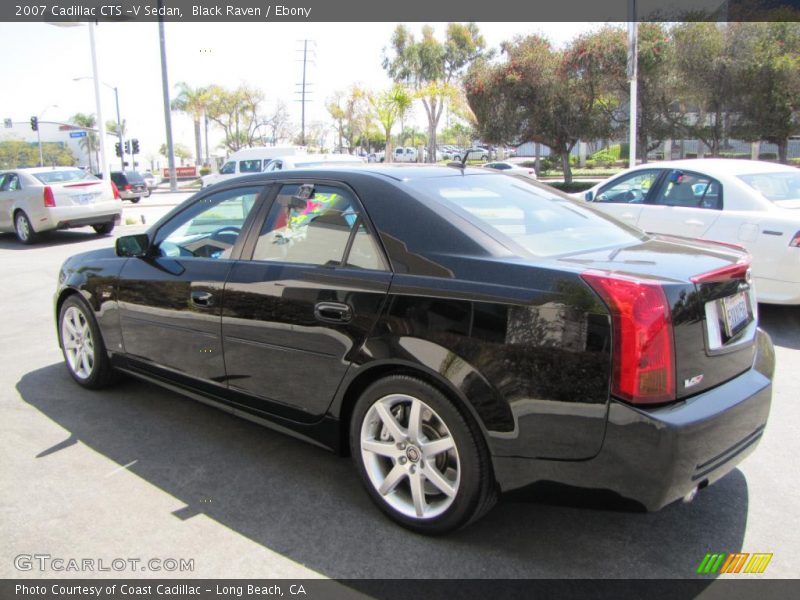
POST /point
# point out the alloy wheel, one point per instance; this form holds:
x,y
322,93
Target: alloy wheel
x,y
410,456
76,336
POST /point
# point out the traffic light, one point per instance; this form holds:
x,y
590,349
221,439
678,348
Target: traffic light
x,y
35,123
127,147
135,144
118,149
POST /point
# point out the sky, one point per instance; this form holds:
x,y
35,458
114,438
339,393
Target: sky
x,y
47,58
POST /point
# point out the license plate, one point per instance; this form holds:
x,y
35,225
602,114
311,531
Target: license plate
x,y
84,198
735,313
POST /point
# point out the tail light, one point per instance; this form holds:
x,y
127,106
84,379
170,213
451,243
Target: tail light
x,y
726,273
128,187
115,189
643,364
795,240
49,198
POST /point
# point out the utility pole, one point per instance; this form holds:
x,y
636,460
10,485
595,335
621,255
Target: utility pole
x,y
633,60
173,179
303,93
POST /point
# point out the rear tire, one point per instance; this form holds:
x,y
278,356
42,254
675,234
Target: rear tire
x,y
24,229
103,229
82,345
432,477
135,200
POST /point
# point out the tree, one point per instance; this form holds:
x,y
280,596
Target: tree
x,y
555,97
348,111
389,106
279,124
116,130
705,65
769,73
432,68
89,142
181,151
236,112
192,101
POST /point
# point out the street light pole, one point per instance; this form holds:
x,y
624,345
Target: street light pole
x,y
119,121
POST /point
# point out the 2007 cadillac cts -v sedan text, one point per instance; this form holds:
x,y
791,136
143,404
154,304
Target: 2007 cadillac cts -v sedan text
x,y
459,333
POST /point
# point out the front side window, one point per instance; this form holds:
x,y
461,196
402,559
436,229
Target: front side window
x,y
317,225
690,190
629,189
229,168
250,166
210,227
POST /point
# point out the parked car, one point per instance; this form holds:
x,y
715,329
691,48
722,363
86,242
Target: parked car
x,y
472,154
36,200
130,184
457,332
404,154
248,161
150,180
753,204
510,168
305,161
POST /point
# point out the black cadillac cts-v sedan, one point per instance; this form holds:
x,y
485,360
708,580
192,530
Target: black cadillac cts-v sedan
x,y
458,333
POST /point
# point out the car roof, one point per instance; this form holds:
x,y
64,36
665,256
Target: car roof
x,y
719,166
396,172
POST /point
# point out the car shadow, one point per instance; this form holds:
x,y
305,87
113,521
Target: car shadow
x,y
9,241
308,504
782,323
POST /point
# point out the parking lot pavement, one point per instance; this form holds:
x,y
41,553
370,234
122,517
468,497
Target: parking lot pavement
x,y
140,472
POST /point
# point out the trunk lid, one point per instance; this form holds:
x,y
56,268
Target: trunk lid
x,y
712,306
81,193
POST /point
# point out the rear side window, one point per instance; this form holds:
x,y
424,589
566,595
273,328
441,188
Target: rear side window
x,y
250,166
690,190
539,222
317,225
63,176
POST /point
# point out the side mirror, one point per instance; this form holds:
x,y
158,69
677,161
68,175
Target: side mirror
x,y
133,245
588,196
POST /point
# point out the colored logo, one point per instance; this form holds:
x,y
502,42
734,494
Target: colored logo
x,y
737,562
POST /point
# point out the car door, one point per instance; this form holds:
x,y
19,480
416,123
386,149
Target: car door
x,y
685,203
625,196
170,302
300,304
6,221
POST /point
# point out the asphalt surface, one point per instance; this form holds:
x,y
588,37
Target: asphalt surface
x,y
139,472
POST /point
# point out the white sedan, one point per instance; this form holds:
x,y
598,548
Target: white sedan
x,y
510,168
749,203
35,200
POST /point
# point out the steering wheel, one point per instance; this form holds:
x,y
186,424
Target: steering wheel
x,y
226,232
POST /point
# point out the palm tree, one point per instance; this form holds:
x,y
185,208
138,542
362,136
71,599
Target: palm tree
x,y
390,106
88,143
192,101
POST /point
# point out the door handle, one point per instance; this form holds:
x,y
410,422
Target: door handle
x,y
202,299
333,312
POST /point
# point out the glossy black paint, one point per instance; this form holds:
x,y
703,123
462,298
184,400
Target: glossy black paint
x,y
521,342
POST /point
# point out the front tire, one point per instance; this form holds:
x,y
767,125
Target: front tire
x,y
82,345
103,229
24,229
422,460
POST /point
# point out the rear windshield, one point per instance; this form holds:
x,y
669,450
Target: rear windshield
x,y
775,186
542,223
134,177
63,176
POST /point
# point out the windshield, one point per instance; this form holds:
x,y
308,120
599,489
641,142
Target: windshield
x,y
775,186
542,223
63,176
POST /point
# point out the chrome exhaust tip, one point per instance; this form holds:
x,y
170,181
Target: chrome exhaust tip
x,y
690,496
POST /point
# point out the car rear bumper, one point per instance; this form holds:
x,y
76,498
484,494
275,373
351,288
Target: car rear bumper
x,y
63,217
658,456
